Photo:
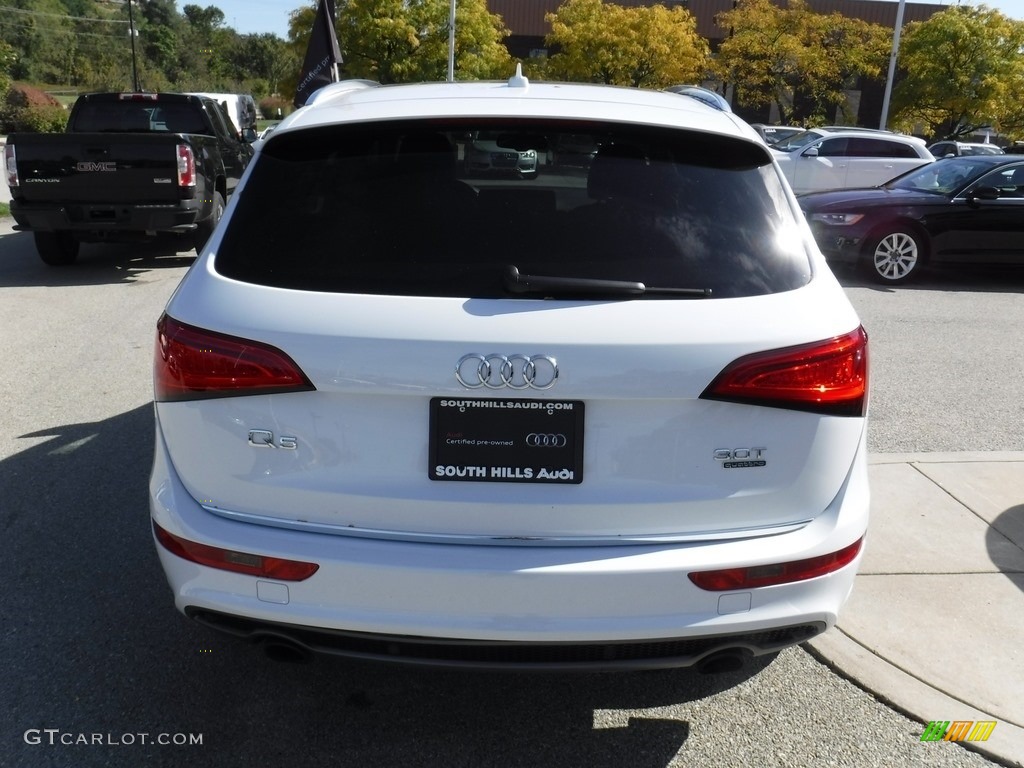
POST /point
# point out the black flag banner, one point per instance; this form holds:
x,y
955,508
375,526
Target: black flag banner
x,y
322,56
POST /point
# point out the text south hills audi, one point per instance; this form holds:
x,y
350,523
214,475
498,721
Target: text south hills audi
x,y
579,421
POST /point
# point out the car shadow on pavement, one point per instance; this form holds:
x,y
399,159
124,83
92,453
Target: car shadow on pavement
x,y
989,278
97,264
92,644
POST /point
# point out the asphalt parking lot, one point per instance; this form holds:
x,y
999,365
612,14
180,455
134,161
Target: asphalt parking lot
x,y
99,667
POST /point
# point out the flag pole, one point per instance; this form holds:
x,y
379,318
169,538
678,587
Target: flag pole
x,y
320,66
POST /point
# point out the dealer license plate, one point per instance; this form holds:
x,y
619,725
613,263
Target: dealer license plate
x,y
506,441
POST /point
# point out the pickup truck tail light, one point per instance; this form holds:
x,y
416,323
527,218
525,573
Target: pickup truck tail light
x,y
11,164
186,166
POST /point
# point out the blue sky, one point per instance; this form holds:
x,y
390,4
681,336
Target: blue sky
x,y
255,16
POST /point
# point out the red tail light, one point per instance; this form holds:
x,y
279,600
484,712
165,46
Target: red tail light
x,y
775,573
186,166
192,363
829,377
230,560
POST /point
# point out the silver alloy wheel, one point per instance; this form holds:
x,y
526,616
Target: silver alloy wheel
x,y
896,256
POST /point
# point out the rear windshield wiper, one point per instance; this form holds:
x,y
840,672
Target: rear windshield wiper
x,y
547,284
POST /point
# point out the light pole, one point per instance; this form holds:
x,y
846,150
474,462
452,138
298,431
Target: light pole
x,y
451,43
892,65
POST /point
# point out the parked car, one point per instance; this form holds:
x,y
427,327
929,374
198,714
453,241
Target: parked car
x,y
489,152
240,107
807,136
849,158
959,209
958,148
773,134
409,415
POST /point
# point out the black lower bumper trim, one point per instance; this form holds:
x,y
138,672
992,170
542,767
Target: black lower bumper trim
x,y
491,654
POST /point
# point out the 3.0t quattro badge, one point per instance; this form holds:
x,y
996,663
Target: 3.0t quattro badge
x,y
741,458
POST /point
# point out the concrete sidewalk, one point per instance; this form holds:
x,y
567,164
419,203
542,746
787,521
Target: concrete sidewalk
x,y
935,624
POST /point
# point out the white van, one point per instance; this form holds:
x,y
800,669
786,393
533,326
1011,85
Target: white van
x,y
241,108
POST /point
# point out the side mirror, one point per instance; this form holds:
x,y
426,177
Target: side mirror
x,y
810,152
249,135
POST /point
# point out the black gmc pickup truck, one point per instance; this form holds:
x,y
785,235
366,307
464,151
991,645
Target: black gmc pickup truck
x,y
130,165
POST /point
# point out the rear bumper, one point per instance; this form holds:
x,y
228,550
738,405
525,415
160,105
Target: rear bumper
x,y
107,219
525,606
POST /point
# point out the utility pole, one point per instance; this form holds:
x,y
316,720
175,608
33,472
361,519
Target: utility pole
x,y
131,32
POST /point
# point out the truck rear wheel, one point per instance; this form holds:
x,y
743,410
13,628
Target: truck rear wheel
x,y
58,249
205,228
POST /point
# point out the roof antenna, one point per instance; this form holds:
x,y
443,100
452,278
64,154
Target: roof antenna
x,y
518,80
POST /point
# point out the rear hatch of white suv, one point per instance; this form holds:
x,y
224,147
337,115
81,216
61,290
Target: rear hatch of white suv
x,y
634,351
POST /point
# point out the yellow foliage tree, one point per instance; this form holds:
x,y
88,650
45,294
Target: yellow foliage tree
x,y
962,70
400,41
796,59
647,47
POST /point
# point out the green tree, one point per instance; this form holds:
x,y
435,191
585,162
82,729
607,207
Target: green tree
x,y
263,57
961,70
204,20
203,53
395,41
838,52
42,36
649,47
796,59
7,59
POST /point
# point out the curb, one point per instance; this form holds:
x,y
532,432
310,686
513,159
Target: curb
x,y
910,696
867,667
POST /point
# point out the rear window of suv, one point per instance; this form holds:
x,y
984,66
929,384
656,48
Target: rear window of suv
x,y
397,209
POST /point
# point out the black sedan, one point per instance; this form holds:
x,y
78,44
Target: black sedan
x,y
958,209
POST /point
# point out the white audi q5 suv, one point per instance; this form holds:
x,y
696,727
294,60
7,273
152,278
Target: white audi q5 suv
x,y
611,417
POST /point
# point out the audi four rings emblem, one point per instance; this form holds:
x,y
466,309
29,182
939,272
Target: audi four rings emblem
x,y
512,371
540,440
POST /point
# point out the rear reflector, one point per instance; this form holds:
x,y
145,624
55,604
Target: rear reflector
x,y
191,364
237,562
775,573
828,377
